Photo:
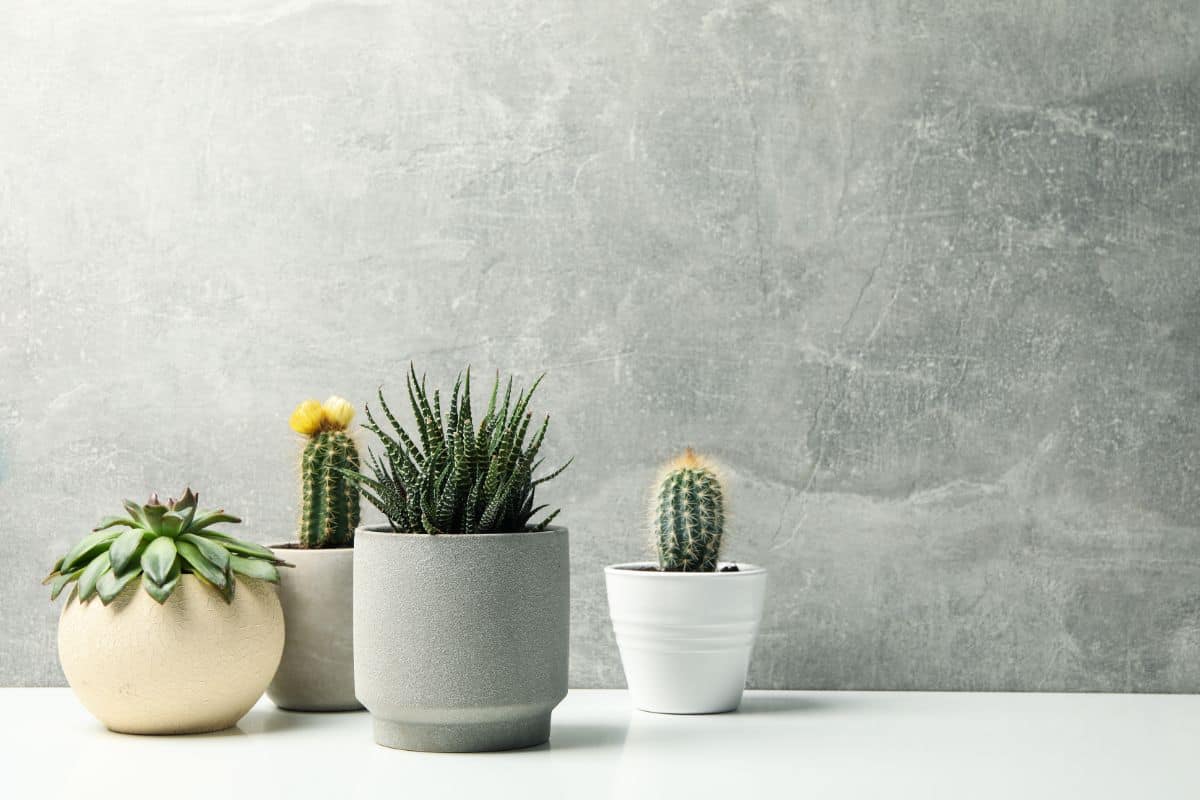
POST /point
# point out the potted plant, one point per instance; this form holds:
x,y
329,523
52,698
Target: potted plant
x,y
316,672
686,625
461,603
187,631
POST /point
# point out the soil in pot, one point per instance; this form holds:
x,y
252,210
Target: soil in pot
x,y
652,568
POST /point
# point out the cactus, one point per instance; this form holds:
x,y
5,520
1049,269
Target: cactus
x,y
689,515
330,505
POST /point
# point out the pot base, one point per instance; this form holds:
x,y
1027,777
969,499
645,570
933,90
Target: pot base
x,y
314,706
475,737
700,706
175,730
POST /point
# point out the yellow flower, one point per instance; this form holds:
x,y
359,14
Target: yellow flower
x,y
307,418
338,412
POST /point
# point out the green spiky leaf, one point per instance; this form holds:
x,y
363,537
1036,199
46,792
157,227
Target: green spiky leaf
x,y
173,524
87,549
123,548
190,553
240,547
159,559
111,584
113,522
210,518
254,568
91,574
211,550
153,513
161,591
59,582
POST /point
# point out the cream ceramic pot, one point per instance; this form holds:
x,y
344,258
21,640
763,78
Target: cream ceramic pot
x,y
192,665
685,637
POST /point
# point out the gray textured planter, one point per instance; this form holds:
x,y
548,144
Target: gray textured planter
x,y
316,672
461,641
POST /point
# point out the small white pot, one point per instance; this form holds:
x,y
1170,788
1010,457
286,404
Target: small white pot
x,y
191,665
685,637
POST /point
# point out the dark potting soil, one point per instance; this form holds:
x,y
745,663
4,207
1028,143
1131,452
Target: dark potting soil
x,y
726,568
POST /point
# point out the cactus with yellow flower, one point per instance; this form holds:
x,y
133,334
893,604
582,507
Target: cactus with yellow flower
x,y
330,504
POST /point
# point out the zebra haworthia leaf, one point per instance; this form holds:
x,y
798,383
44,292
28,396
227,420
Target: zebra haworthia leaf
x,y
460,478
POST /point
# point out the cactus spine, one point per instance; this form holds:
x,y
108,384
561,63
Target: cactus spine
x,y
689,516
329,510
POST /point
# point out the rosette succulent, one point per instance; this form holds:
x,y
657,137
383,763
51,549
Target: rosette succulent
x,y
158,542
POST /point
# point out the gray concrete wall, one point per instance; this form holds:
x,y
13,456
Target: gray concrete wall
x,y
923,275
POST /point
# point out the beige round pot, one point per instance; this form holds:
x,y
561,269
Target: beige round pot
x,y
317,669
192,665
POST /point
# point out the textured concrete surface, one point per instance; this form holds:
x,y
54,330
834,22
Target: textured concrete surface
x,y
923,275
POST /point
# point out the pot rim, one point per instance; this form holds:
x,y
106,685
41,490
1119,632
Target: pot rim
x,y
638,568
294,546
386,531
135,588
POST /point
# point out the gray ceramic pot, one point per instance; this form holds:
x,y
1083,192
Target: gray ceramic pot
x,y
316,672
461,640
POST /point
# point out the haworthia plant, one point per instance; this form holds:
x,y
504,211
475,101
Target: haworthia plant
x,y
329,508
454,476
158,542
689,516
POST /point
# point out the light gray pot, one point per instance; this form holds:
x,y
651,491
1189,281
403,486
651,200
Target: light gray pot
x,y
461,640
316,672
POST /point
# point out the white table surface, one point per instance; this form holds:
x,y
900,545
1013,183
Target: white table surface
x,y
780,744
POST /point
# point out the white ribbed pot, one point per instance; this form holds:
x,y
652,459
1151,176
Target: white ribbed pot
x,y
316,672
461,640
685,637
191,665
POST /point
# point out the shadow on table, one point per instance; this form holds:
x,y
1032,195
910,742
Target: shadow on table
x,y
569,736
276,720
809,703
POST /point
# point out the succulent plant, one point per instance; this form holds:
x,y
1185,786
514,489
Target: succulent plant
x,y
329,510
159,543
459,478
689,515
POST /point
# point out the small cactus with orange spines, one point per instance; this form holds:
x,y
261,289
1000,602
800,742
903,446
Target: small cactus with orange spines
x,y
689,515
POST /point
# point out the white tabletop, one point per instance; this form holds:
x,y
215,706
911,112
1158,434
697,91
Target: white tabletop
x,y
780,744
